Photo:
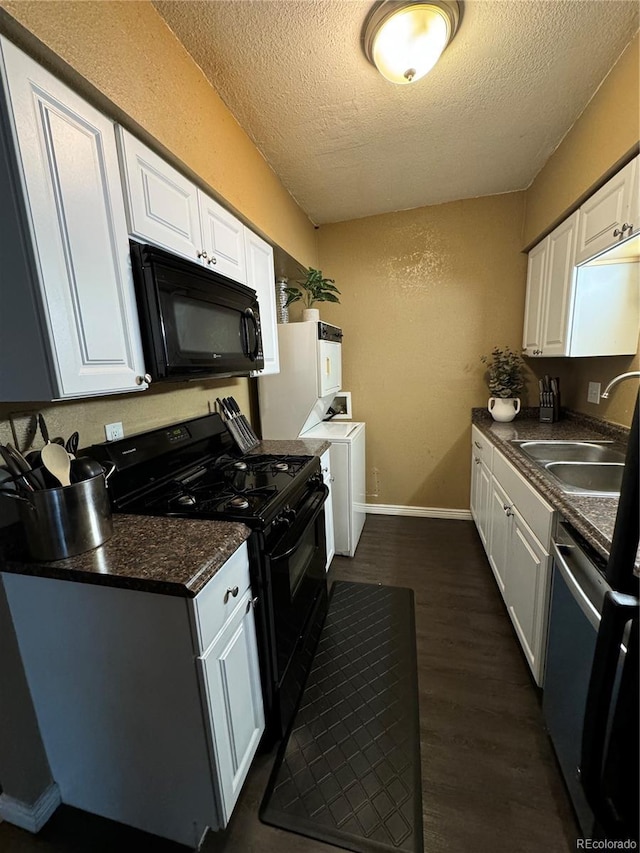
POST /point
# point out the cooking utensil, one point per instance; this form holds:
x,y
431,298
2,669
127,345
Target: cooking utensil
x,y
33,478
66,521
236,433
232,406
71,445
83,468
44,432
12,467
252,437
56,460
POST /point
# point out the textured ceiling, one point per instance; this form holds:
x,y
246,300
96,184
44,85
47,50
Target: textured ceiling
x,y
346,143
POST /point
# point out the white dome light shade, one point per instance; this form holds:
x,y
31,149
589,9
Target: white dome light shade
x,y
405,40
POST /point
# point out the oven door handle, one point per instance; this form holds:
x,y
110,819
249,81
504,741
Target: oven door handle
x,y
301,523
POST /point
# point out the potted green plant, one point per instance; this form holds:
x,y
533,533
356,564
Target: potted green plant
x,y
313,288
505,379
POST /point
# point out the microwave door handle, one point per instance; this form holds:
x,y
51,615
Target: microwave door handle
x,y
249,315
244,335
302,524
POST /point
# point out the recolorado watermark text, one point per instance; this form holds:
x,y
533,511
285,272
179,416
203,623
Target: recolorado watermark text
x,y
606,844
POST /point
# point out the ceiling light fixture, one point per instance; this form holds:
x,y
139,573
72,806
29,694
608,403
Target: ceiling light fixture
x,y
404,39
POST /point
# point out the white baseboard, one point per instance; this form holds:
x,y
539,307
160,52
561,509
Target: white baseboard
x,y
421,511
31,817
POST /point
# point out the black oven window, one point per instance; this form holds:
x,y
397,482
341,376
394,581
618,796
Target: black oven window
x,y
302,556
200,329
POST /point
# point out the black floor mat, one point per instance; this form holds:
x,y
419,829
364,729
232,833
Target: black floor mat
x,y
349,771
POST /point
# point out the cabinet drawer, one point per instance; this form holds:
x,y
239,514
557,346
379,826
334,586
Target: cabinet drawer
x,y
481,447
533,508
217,601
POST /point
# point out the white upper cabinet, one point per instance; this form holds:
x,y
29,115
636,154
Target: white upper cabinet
x,y
610,215
168,210
69,321
550,286
222,239
261,277
162,205
583,288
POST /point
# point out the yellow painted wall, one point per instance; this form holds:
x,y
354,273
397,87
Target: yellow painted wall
x,y
608,129
425,293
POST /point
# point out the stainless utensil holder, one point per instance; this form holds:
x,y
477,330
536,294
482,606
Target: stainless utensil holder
x,y
67,521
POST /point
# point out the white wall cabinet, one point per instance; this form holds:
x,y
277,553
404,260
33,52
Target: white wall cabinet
x,y
550,287
168,210
261,277
325,466
68,325
611,215
141,721
591,309
517,540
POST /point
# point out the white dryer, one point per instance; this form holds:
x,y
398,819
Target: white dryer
x,y
347,455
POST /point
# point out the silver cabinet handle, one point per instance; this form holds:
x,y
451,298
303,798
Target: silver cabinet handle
x,y
508,511
203,255
476,460
477,444
231,591
146,378
212,260
252,603
619,232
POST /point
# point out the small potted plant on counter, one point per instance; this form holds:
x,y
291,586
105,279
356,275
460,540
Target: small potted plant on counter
x,y
313,288
505,379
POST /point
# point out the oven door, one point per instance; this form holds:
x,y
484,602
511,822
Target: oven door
x,y
296,565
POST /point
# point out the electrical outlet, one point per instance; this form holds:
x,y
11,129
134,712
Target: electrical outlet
x,y
113,431
593,394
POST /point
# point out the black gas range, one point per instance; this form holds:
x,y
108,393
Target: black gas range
x,y
191,469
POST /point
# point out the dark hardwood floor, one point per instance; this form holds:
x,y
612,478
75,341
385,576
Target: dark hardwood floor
x,y
490,780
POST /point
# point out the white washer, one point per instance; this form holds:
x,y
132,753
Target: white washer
x,y
347,455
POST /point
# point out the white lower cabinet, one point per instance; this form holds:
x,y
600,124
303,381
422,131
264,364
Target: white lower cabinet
x,y
325,465
69,323
517,539
231,678
481,451
141,723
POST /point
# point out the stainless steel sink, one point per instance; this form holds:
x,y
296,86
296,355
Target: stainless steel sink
x,y
603,478
579,467
571,451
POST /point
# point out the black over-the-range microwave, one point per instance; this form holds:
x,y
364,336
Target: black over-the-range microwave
x,y
194,322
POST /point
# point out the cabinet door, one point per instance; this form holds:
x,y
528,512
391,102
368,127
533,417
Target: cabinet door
x,y
527,593
480,498
261,277
325,464
222,239
604,214
162,205
532,337
70,171
500,515
231,678
559,288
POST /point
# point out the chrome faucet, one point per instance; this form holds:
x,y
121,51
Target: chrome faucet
x,y
616,379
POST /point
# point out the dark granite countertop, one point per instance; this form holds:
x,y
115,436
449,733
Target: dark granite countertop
x,y
593,517
292,447
172,556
